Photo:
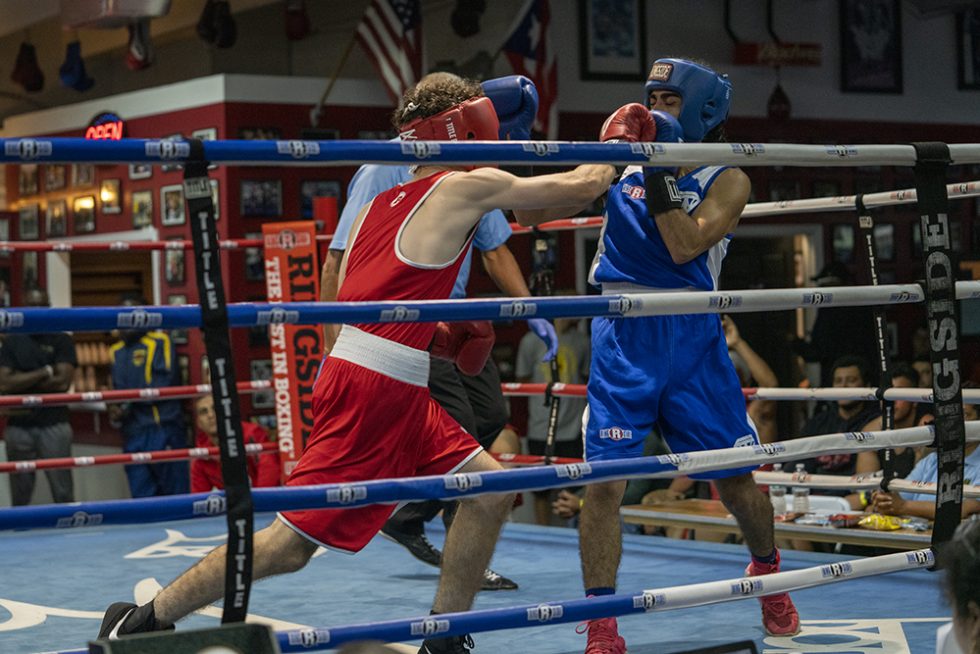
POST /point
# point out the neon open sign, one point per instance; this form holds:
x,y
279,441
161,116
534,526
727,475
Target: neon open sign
x,y
106,127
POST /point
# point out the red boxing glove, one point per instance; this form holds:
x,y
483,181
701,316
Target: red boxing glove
x,y
631,122
467,344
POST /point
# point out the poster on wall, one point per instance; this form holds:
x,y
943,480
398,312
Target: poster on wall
x,y
871,46
612,40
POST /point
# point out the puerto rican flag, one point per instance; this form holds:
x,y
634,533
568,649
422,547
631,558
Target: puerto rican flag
x,y
391,34
529,55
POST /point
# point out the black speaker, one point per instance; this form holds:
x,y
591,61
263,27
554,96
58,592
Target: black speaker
x,y
226,639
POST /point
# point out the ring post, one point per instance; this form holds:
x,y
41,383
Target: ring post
x,y
214,318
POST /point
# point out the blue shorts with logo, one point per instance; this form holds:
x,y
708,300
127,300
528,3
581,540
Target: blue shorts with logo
x,y
672,372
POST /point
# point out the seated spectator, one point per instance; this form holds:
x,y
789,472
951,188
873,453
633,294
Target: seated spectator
x,y
263,469
903,376
961,559
923,505
923,366
842,416
573,368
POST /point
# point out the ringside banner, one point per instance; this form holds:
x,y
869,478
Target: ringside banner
x,y
292,275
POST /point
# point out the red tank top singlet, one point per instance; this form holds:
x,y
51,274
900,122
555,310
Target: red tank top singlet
x,y
377,271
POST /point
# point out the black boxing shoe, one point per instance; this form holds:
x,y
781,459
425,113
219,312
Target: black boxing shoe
x,y
452,645
417,545
125,618
494,581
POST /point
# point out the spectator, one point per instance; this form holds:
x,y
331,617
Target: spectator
x,y
146,360
923,366
753,371
903,376
842,416
38,363
923,505
263,469
961,559
573,368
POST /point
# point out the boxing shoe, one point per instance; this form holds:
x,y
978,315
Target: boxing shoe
x,y
125,618
603,636
452,645
494,581
779,616
417,545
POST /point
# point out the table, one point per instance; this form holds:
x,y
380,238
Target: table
x,y
711,515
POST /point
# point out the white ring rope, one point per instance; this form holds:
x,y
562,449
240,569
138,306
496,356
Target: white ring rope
x,y
855,482
923,395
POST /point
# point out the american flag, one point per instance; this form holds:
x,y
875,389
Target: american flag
x,y
529,55
391,33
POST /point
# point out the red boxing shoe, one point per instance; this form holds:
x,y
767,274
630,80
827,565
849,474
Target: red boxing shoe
x,y
604,637
779,616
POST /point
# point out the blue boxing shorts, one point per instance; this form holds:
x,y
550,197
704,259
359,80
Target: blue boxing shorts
x,y
672,372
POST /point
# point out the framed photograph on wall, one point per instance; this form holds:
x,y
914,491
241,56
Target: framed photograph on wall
x,y
83,211
56,218
142,209
29,273
175,267
82,174
27,179
843,241
261,198
55,177
29,227
184,365
871,46
259,133
205,369
262,369
612,40
885,241
254,262
178,336
4,230
172,205
205,134
968,48
140,171
110,193
316,188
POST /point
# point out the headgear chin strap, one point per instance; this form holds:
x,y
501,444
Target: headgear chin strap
x,y
473,119
706,96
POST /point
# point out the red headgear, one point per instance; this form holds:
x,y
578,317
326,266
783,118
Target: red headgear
x,y
473,119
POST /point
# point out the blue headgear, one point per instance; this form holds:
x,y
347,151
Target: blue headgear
x,y
706,95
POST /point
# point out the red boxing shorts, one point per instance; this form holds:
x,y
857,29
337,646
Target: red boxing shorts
x,y
373,419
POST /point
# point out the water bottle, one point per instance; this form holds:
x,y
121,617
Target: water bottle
x,y
777,493
801,494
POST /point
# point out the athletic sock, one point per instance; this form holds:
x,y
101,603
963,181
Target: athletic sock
x,y
600,591
772,559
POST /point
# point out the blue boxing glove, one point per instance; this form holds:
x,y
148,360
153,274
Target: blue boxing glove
x,y
544,330
662,193
515,99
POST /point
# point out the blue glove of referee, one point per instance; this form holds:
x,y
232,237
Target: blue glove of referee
x,y
544,330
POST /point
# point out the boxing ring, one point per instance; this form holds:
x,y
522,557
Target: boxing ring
x,y
53,602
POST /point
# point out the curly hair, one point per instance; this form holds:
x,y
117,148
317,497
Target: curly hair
x,y
434,94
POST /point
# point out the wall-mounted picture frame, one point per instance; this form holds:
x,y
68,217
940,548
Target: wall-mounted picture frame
x,y
178,336
172,205
843,243
142,209
205,369
205,134
315,188
4,229
871,46
968,49
612,40
261,198
30,275
262,369
259,133
175,268
83,175
140,171
29,223
110,196
55,177
27,183
56,218
884,235
83,214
